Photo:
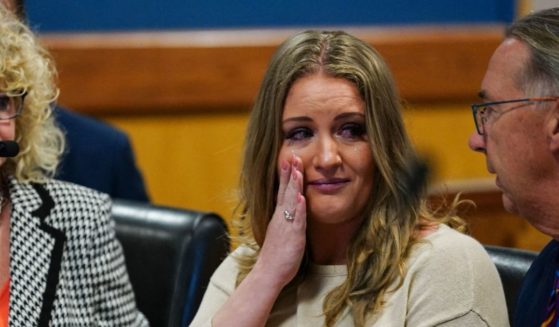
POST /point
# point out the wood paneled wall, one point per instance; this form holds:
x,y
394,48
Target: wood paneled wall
x,y
184,97
176,72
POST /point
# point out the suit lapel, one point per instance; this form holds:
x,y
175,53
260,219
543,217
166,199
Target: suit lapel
x,y
36,254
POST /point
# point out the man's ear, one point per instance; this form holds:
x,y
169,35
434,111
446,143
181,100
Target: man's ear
x,y
553,129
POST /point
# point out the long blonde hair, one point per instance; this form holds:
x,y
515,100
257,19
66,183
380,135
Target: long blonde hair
x,y
376,256
26,67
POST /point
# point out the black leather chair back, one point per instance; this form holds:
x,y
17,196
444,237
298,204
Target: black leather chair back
x,y
170,254
512,264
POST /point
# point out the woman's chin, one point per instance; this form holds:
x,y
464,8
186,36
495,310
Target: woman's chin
x,y
331,216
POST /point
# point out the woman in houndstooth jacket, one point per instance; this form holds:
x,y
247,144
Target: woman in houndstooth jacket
x,y
60,263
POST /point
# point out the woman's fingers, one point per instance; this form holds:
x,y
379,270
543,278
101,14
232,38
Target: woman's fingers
x,y
288,176
285,240
288,205
301,213
298,165
285,170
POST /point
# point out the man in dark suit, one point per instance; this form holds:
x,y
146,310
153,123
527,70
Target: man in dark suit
x,y
97,155
517,129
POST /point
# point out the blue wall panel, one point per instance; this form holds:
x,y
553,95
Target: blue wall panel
x,y
104,15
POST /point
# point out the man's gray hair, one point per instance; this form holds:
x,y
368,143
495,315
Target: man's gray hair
x,y
540,31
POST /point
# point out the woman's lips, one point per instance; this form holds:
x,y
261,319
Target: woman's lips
x,y
330,185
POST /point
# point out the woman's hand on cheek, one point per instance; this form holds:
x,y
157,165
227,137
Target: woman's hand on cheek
x,y
284,244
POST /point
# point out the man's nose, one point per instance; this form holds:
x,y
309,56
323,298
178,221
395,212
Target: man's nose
x,y
476,142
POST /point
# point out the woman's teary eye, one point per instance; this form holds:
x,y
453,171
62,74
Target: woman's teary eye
x,y
298,134
352,130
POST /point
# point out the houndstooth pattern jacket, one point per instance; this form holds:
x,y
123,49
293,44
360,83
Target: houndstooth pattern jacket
x,y
66,266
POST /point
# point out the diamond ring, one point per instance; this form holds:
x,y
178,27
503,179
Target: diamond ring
x,y
288,215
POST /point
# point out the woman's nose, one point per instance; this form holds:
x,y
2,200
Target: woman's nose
x,y
476,142
327,156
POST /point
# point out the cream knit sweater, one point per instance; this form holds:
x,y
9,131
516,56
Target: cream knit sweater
x,y
450,281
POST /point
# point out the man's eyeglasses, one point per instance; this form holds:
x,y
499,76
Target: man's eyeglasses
x,y
11,105
484,112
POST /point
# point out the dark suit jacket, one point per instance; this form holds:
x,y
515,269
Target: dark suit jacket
x,y
66,266
98,156
536,287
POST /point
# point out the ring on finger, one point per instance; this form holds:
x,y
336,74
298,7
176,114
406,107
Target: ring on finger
x,y
288,215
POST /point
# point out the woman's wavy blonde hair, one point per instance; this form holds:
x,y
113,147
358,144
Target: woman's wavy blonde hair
x,y
26,68
376,258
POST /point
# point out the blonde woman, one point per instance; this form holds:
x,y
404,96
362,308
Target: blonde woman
x,y
60,264
330,234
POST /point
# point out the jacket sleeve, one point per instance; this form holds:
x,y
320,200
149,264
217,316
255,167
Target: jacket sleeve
x,y
113,295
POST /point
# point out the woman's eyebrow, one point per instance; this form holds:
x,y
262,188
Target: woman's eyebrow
x,y
297,119
346,115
